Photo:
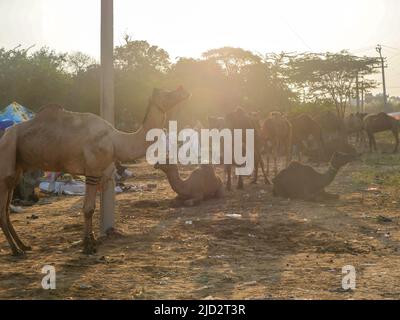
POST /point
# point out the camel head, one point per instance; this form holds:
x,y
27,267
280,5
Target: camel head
x,y
216,122
165,100
340,159
167,167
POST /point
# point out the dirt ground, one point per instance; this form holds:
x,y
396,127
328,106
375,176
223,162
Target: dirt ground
x,y
247,246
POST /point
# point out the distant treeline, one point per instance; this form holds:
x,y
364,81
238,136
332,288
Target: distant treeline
x,y
221,80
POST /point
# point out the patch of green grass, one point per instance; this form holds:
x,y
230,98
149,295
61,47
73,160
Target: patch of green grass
x,y
377,159
368,176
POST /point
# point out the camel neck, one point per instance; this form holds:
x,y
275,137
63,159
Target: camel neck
x,y
132,146
176,182
329,175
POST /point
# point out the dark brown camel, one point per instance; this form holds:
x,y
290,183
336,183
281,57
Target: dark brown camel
x,y
299,181
276,134
354,124
331,125
330,148
238,119
302,128
380,122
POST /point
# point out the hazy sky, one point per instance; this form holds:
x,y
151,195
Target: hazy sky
x,y
189,27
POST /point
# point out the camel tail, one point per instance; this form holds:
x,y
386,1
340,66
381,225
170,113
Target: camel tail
x,y
8,151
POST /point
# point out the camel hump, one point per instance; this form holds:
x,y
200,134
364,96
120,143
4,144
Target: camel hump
x,y
50,108
49,111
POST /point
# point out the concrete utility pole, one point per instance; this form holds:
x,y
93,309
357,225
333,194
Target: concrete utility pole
x,y
379,50
107,206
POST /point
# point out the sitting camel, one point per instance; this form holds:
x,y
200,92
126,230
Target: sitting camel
x,y
75,143
299,181
202,183
276,131
380,122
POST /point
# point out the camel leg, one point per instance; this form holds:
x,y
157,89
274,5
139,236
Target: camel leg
x,y
4,193
255,174
265,175
396,137
374,143
220,192
323,195
228,171
89,241
276,155
14,234
370,140
240,183
193,201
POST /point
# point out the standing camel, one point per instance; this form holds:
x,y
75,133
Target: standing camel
x,y
331,125
355,125
238,119
302,128
276,131
76,143
380,122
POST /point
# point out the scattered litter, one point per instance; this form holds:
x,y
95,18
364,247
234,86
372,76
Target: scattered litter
x,y
249,283
383,219
71,188
373,189
33,217
15,209
251,235
189,222
76,243
218,256
118,189
233,215
387,235
85,286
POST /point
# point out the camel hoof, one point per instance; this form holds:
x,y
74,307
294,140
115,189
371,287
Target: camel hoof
x,y
89,250
18,253
26,248
89,245
189,203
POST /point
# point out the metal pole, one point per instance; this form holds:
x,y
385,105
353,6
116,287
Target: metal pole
x,y
379,50
107,200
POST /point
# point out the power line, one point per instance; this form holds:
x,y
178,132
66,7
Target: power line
x,y
296,33
389,47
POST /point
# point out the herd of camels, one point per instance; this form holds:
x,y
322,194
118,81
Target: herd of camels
x,y
91,146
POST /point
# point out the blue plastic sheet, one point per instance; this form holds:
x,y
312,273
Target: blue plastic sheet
x,y
14,114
